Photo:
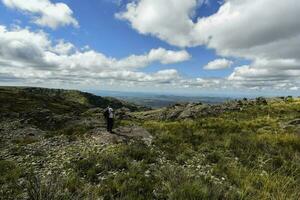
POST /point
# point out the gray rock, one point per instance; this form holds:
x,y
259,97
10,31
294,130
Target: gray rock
x,y
294,122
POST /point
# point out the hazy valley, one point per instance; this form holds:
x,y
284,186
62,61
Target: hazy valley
x,y
154,100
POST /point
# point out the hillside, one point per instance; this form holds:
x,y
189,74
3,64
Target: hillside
x,y
19,99
53,145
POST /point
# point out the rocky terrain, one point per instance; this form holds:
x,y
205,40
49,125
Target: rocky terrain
x,y
44,129
197,110
53,145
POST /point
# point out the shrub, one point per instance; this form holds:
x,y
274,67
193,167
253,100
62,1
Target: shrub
x,y
133,184
175,182
54,187
9,176
139,151
94,166
214,157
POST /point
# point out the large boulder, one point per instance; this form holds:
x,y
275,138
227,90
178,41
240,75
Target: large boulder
x,y
123,113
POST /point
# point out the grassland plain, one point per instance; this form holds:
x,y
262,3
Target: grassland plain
x,y
247,149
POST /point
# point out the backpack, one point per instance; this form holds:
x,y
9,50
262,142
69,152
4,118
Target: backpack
x,y
106,113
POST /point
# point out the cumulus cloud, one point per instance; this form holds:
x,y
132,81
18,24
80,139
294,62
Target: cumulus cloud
x,y
169,21
64,48
268,36
211,83
44,12
28,55
218,64
227,30
22,47
272,34
97,61
272,74
266,32
31,57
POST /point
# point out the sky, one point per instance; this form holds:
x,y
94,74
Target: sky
x,y
172,46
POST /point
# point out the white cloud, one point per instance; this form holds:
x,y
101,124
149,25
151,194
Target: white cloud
x,y
64,48
96,61
211,83
294,88
31,57
169,21
279,74
44,12
218,64
247,29
265,32
22,47
162,76
268,36
168,57
155,55
27,55
228,30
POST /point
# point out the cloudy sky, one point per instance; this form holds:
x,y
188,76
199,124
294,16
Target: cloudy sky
x,y
173,46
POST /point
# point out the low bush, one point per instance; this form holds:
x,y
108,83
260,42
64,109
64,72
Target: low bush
x,y
10,174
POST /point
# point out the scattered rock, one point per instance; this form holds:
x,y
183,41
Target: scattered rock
x,y
134,132
123,113
294,122
261,101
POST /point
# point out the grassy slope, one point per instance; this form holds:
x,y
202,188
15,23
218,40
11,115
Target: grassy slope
x,y
248,154
253,153
17,99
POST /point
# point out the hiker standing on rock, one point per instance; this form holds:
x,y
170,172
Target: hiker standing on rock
x,y
109,116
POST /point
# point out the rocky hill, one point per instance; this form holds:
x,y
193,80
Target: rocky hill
x,y
20,99
53,145
181,111
52,109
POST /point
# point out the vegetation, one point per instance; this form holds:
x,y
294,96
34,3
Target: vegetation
x,y
18,100
9,175
252,152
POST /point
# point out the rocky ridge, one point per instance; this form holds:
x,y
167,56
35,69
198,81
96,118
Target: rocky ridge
x,y
198,110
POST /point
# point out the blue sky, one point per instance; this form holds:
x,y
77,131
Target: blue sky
x,y
198,45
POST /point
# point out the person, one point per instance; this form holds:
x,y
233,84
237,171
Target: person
x,y
109,116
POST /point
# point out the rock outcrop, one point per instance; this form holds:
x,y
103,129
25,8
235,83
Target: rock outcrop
x,y
196,110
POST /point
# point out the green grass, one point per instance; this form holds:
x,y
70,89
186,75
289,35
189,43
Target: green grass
x,y
9,176
245,154
18,100
250,149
